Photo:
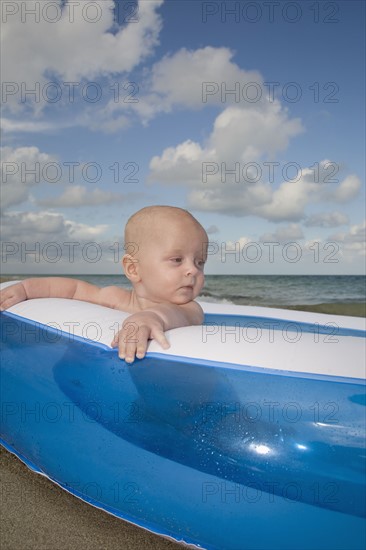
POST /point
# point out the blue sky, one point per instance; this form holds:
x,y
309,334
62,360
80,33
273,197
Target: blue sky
x,y
249,114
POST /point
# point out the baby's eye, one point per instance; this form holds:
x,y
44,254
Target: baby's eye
x,y
200,263
177,260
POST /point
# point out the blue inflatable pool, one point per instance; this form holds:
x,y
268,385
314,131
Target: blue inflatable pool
x,y
248,433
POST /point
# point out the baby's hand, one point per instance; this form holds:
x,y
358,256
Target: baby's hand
x,y
135,333
12,295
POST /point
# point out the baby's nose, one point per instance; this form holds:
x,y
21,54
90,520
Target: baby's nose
x,y
192,268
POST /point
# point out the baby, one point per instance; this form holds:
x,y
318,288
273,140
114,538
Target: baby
x,y
167,250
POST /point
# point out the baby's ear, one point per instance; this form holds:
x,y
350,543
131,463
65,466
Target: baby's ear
x,y
131,268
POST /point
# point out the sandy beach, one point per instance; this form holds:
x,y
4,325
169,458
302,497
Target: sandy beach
x,y
38,515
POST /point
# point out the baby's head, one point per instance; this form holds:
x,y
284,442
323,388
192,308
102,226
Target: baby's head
x,y
166,251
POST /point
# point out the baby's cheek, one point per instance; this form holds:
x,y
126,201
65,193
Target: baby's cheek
x,y
201,280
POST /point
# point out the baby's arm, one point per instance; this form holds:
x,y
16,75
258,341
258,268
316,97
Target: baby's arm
x,y
48,287
137,329
62,287
151,323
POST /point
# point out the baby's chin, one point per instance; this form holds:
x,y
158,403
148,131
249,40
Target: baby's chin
x,y
181,300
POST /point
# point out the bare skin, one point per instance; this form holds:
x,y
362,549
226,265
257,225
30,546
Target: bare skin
x,y
166,272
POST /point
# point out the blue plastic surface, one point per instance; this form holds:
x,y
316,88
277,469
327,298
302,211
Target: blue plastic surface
x,y
220,457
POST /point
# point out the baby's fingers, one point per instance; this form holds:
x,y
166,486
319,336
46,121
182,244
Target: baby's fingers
x,y
7,301
128,333
131,341
135,346
160,337
12,295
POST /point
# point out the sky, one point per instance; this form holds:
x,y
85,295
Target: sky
x,y
249,114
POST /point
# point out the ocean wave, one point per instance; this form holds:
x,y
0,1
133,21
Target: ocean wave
x,y
230,298
214,299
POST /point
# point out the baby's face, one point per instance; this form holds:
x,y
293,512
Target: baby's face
x,y
171,262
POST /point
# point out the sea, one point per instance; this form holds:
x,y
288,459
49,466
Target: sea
x,y
334,294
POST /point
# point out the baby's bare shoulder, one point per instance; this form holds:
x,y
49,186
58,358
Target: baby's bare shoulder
x,y
115,297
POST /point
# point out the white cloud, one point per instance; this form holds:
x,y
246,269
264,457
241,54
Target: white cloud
x,y
181,164
80,45
193,79
347,190
356,234
248,135
239,200
284,234
11,195
12,161
198,78
239,244
290,200
228,171
212,230
239,136
21,168
43,242
33,227
205,75
31,126
79,195
82,231
352,242
327,219
32,238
